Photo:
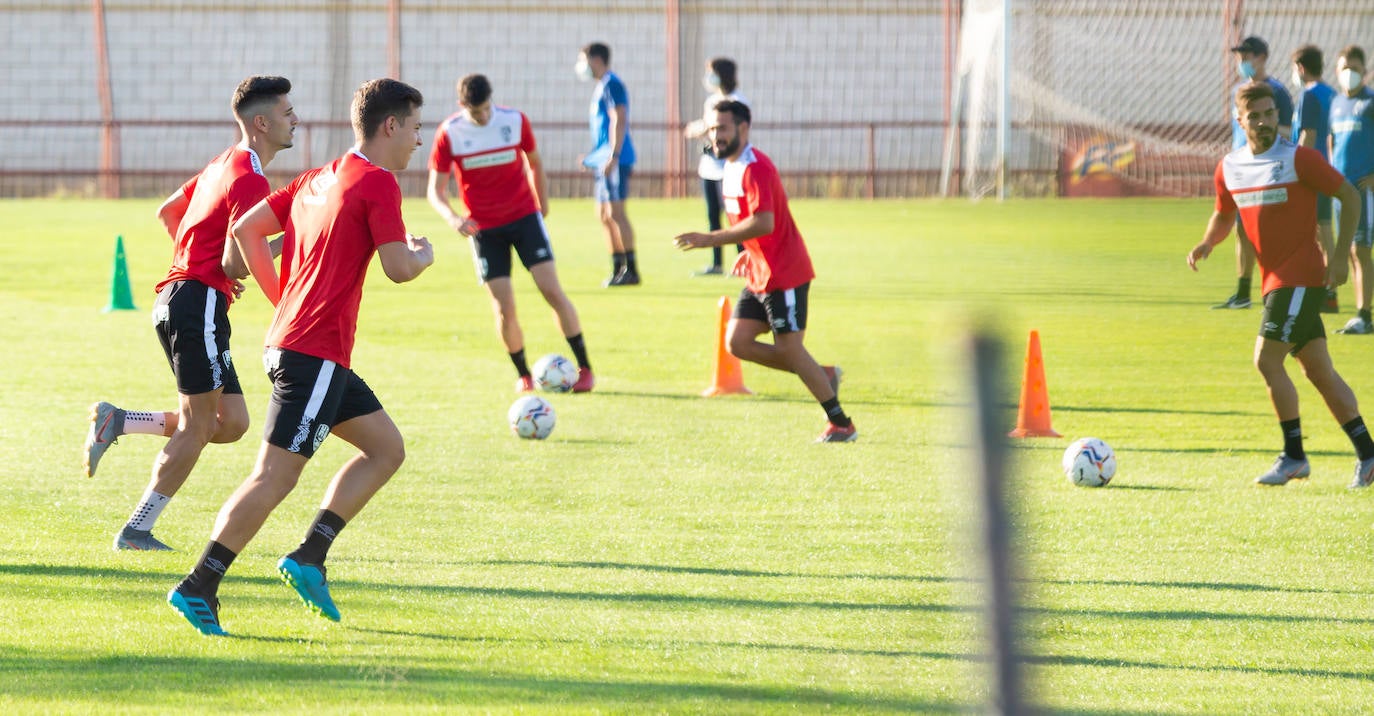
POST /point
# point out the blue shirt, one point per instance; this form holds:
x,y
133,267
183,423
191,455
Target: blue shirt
x,y
608,94
1352,134
1283,102
1313,112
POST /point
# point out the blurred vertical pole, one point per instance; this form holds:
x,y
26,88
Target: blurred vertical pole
x,y
672,80
991,451
1004,103
1231,20
393,39
870,185
109,129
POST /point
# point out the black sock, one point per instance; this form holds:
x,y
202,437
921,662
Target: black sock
x,y
617,262
1292,438
836,413
579,349
630,265
1364,313
317,541
518,358
1359,434
213,563
1243,288
716,257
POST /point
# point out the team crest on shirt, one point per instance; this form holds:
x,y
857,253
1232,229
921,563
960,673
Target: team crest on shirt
x,y
1276,172
505,133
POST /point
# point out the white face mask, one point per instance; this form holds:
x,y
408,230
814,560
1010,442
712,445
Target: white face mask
x,y
1350,79
583,71
1297,79
1245,69
711,82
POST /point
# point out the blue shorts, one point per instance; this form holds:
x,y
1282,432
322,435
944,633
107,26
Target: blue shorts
x,y
615,185
1364,231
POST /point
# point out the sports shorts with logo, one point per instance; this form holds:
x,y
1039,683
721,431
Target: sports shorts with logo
x,y
1293,315
613,185
192,324
309,396
491,247
784,311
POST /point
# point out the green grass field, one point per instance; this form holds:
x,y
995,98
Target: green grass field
x,y
663,552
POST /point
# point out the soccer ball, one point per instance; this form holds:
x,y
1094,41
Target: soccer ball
x,y
531,417
1089,462
555,373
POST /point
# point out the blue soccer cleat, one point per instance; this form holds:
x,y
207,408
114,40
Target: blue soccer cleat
x,y
308,581
202,612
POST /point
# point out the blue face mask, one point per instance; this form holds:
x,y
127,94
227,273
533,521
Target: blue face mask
x,y
1247,70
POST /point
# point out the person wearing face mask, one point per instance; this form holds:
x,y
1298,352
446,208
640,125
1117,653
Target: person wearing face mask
x,y
1312,128
1352,153
720,85
1252,54
612,158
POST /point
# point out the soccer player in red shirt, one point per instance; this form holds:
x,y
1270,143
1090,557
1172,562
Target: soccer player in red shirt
x,y
490,150
334,218
775,264
191,314
1273,184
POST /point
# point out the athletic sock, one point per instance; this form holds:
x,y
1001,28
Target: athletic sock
x,y
1359,435
836,413
1243,288
1292,438
214,562
716,256
148,510
1364,313
630,265
318,540
617,263
579,349
521,367
153,423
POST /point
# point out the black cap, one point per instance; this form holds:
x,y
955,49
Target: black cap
x,y
1253,45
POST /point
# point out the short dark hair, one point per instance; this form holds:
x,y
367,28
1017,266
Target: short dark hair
x,y
1251,92
1310,57
1353,52
724,67
598,49
378,99
473,90
256,92
739,109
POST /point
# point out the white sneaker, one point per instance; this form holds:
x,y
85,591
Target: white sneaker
x,y
1286,468
1364,474
1356,326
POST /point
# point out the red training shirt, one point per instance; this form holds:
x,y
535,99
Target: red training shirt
x,y
334,218
777,261
489,163
1276,195
222,192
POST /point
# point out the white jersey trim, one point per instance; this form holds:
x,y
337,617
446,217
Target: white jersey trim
x,y
466,139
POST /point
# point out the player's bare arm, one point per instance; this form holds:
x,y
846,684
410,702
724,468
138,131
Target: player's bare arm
x,y
403,261
1366,183
250,234
760,224
171,211
1218,227
437,193
539,181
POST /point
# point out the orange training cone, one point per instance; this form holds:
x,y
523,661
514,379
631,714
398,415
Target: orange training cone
x,y
1033,420
728,378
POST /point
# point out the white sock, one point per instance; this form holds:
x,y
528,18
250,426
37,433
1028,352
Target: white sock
x,y
146,423
148,511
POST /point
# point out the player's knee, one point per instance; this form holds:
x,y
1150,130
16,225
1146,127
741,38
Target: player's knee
x,y
231,428
391,455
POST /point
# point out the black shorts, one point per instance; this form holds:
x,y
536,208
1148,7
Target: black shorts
x,y
784,311
1293,315
491,247
192,323
309,396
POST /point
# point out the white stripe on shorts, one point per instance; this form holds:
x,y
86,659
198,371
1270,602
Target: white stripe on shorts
x,y
312,406
1294,306
208,331
476,258
789,297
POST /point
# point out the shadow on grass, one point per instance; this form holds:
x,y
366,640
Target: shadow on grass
x,y
799,398
45,676
1058,660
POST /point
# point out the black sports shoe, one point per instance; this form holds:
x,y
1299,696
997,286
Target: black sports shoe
x,y
1234,302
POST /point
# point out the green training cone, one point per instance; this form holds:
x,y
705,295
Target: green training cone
x,y
121,295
